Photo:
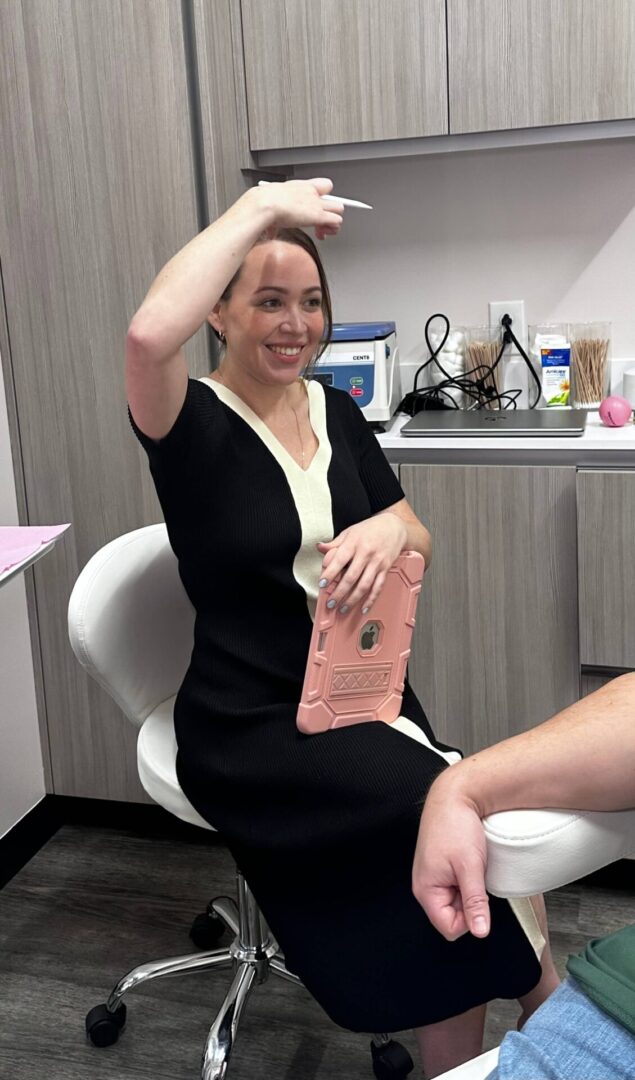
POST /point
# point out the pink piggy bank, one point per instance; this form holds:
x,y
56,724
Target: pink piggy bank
x,y
615,411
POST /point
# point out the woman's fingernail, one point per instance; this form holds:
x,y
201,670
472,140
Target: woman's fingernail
x,y
365,610
323,582
331,603
344,609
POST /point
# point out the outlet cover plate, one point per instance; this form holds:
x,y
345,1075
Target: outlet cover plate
x,y
515,308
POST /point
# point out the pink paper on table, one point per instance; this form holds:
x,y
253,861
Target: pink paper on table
x,y
19,542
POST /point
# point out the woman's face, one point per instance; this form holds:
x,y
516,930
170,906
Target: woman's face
x,y
273,320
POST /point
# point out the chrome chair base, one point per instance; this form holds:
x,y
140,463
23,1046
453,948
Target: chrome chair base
x,y
253,954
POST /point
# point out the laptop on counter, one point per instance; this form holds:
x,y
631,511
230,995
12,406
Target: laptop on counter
x,y
481,423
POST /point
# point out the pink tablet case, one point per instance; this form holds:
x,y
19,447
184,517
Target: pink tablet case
x,y
357,663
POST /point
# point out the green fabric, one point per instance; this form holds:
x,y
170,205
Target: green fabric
x,y
605,971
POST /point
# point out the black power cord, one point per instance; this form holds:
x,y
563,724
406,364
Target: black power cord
x,y
478,384
508,337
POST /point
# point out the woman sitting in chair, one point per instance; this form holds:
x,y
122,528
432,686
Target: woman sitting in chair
x,y
272,486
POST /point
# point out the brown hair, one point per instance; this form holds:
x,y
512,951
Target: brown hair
x,y
303,240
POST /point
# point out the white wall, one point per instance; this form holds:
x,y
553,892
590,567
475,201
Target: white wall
x,y
21,770
551,225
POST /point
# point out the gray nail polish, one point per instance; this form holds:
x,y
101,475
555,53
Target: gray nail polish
x,y
365,610
331,603
344,608
323,582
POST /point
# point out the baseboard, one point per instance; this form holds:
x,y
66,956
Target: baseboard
x,y
145,818
617,875
26,838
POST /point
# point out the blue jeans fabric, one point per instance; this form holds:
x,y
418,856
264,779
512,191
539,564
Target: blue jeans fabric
x,y
567,1038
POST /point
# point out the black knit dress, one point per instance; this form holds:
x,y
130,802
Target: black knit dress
x,y
323,826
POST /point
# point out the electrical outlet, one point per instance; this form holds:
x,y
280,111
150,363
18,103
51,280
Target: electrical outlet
x,y
516,309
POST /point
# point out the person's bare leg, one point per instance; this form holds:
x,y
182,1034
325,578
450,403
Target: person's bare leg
x,y
549,980
449,1043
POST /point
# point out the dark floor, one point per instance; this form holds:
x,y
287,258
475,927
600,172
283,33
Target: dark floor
x,y
94,902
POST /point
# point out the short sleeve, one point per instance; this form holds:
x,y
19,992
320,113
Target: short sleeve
x,y
192,425
381,484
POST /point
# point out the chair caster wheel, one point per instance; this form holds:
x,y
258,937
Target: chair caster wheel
x,y
207,929
391,1061
104,1027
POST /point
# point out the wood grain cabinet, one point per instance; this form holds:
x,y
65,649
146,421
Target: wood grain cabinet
x,y
496,646
124,125
606,553
534,63
321,72
98,191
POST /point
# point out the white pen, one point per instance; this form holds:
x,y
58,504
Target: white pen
x,y
333,198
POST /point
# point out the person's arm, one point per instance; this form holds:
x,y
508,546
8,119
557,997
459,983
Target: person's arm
x,y
362,554
583,758
191,283
417,537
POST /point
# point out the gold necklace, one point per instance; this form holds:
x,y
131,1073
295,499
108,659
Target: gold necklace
x,y
294,411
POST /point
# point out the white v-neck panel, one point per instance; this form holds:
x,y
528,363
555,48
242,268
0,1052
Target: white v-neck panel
x,y
309,487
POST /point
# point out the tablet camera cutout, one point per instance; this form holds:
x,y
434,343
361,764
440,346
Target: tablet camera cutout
x,y
370,637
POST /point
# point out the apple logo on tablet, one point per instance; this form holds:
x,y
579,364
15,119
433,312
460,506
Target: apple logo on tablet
x,y
369,636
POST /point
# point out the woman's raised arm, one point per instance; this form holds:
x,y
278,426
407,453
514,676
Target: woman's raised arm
x,y
190,284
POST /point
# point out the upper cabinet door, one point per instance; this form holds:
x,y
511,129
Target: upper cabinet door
x,y
533,63
320,72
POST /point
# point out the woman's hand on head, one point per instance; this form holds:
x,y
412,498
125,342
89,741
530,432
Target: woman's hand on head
x,y
298,204
448,875
361,557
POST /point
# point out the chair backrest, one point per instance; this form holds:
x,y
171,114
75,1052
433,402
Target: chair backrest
x,y
130,622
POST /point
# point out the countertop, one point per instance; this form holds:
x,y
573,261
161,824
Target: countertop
x,y
598,447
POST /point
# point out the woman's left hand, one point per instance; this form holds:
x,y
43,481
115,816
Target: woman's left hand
x,y
361,557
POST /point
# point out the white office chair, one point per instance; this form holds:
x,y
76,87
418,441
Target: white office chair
x,y
131,627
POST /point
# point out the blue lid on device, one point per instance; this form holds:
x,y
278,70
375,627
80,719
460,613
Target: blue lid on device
x,y
361,331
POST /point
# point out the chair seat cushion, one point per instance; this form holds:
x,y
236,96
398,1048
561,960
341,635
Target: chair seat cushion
x,y
156,761
531,851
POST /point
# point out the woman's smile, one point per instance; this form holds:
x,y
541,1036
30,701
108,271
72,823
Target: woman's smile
x,y
286,352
